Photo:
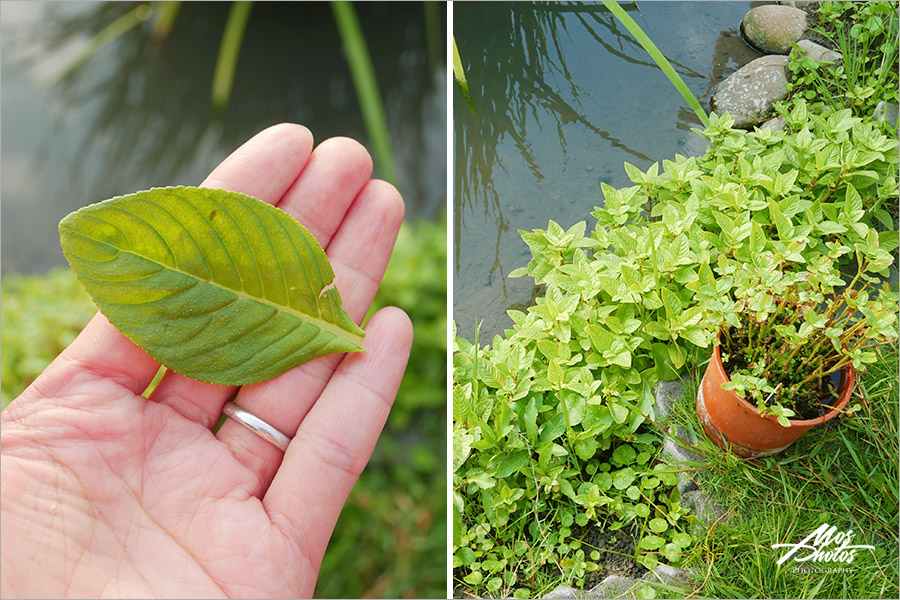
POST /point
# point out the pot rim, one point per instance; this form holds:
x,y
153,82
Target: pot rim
x,y
843,399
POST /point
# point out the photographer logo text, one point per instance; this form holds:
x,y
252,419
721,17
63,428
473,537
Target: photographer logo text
x,y
824,545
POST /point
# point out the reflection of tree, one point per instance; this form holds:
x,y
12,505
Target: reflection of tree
x,y
518,75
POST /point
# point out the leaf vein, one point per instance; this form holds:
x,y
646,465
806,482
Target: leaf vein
x,y
277,262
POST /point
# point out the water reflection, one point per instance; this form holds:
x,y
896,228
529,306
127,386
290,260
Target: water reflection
x,y
561,97
137,114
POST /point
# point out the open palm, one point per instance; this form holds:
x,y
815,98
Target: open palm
x,y
107,493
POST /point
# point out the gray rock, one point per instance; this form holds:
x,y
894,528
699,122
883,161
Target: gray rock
x,y
773,29
886,111
614,586
706,511
801,3
667,392
669,575
563,592
680,453
749,93
819,53
775,124
686,481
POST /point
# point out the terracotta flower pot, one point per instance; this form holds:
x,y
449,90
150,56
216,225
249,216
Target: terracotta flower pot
x,y
729,419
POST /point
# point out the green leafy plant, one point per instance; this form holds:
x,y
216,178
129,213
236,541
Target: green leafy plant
x,y
789,330
215,285
542,448
552,421
844,475
41,315
866,35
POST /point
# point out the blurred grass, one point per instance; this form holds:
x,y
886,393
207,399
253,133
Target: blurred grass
x,y
390,540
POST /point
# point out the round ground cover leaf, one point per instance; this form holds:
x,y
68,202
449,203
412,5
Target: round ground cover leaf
x,y
216,285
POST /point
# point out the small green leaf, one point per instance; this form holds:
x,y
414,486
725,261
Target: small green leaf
x,y
651,542
619,413
623,478
624,455
585,449
672,552
658,525
466,555
215,285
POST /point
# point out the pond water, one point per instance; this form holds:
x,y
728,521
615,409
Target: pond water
x,y
562,96
137,114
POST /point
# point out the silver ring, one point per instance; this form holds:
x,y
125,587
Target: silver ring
x,y
256,425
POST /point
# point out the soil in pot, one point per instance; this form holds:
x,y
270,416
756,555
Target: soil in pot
x,y
816,399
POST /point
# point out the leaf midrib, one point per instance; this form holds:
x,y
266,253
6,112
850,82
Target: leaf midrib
x,y
314,320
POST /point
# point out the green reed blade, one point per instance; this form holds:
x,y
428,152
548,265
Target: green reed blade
x,y
165,19
229,50
460,75
366,87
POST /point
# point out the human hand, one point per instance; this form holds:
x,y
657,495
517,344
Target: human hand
x,y
107,493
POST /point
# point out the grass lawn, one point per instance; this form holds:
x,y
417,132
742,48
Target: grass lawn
x,y
844,474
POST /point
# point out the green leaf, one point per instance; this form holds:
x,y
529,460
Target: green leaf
x,y
482,480
510,463
623,478
624,455
782,223
671,302
619,413
658,525
651,542
853,206
757,238
672,552
466,555
215,285
696,336
462,447
677,354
